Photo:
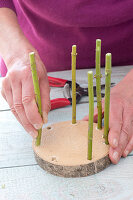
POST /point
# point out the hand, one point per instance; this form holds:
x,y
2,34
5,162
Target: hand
x,y
18,91
120,119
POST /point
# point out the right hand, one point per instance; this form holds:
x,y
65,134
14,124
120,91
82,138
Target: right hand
x,y
18,91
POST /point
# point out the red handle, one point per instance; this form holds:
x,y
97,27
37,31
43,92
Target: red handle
x,y
59,103
56,82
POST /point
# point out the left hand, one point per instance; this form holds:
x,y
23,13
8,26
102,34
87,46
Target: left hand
x,y
120,119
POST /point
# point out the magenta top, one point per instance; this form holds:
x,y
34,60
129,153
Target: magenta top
x,y
54,26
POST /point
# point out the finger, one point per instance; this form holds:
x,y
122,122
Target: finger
x,y
128,129
128,148
2,90
115,123
30,107
45,98
86,118
116,153
19,109
128,120
7,92
125,134
3,94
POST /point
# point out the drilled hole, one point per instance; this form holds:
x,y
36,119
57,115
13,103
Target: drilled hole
x,y
48,128
54,158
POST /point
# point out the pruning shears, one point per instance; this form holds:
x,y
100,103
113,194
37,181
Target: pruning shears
x,y
67,87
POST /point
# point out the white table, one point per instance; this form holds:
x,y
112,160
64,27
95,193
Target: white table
x,y
22,179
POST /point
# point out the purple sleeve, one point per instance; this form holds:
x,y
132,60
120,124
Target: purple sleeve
x,y
7,4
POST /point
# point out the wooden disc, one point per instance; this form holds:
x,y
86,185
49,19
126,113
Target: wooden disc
x,y
63,150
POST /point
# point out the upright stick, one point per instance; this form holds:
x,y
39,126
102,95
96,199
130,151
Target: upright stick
x,y
36,91
98,82
91,113
107,96
73,84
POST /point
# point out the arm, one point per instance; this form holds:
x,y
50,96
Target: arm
x,y
17,86
14,44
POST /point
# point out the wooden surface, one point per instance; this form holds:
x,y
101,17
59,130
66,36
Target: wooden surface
x,y
64,150
22,179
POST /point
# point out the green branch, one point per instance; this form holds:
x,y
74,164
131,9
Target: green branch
x,y
98,83
107,96
36,91
73,84
91,113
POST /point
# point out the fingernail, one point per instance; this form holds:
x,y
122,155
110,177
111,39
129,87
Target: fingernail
x,y
115,142
45,117
34,135
37,126
126,152
115,155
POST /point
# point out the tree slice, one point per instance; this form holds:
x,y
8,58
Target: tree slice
x,y
63,150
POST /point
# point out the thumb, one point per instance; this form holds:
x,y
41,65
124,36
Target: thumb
x,y
95,114
86,118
